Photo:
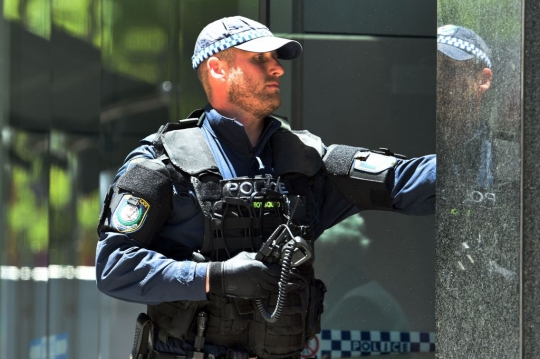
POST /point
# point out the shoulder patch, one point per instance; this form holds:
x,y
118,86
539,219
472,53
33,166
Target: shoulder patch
x,y
130,214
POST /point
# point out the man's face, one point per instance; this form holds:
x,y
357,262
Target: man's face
x,y
459,93
457,81
254,82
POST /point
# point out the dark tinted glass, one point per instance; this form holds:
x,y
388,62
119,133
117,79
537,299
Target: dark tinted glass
x,y
85,80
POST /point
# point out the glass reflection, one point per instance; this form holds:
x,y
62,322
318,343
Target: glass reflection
x,y
34,15
354,302
464,75
478,193
27,216
90,78
26,241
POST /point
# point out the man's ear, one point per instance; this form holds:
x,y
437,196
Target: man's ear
x,y
485,80
216,68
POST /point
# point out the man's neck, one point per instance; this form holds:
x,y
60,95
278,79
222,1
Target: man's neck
x,y
253,125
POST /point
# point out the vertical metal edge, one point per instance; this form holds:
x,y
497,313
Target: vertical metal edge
x,y
47,168
5,64
174,59
522,182
297,88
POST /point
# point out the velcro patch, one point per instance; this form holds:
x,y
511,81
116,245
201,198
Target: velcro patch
x,y
373,162
130,214
134,161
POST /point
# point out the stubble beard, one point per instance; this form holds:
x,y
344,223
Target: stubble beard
x,y
250,98
457,117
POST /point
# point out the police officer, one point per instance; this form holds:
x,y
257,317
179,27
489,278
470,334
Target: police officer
x,y
464,75
183,224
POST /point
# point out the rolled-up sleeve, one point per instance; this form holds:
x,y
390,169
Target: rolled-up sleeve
x,y
136,274
414,186
127,270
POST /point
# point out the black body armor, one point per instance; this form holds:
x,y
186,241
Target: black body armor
x,y
240,214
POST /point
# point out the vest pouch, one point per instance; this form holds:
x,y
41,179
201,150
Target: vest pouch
x,y
228,320
317,291
175,319
286,337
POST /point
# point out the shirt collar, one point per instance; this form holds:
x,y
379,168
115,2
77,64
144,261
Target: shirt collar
x,y
232,132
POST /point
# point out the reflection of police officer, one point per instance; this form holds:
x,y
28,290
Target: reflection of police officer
x,y
479,192
463,76
208,192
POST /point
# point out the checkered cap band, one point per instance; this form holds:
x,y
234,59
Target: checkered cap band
x,y
465,46
233,40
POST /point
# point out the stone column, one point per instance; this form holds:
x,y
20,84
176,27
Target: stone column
x,y
488,127
530,283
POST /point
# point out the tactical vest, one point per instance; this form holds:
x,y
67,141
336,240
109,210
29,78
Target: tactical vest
x,y
240,214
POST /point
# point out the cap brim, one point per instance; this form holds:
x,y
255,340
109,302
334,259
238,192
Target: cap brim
x,y
286,49
453,52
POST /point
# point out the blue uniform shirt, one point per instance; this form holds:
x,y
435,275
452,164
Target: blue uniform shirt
x,y
133,273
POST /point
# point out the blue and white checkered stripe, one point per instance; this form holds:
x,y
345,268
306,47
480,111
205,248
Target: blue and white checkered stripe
x,y
466,46
51,347
227,42
333,344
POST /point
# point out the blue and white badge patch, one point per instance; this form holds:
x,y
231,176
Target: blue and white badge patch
x,y
130,214
371,162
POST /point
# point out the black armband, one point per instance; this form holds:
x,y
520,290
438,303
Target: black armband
x,y
139,203
364,177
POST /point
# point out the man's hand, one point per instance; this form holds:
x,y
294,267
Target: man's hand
x,y
243,276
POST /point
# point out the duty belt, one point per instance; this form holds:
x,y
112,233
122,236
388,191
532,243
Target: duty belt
x,y
157,355
231,354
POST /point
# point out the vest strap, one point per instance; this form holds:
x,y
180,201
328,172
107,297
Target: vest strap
x,y
307,150
188,150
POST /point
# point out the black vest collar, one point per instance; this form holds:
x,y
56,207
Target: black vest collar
x,y
294,152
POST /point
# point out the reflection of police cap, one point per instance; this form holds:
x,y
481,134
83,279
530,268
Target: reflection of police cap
x,y
244,34
461,44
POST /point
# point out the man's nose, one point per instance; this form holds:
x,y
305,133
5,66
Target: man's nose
x,y
275,68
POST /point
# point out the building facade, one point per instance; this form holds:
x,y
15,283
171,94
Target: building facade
x,y
83,81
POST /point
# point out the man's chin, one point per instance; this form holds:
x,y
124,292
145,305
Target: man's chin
x,y
275,106
272,102
268,110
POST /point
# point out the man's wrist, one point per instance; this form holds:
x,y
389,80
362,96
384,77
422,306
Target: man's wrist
x,y
213,277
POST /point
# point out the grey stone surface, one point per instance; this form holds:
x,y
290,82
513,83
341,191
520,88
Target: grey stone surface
x,y
531,172
477,280
488,257
478,269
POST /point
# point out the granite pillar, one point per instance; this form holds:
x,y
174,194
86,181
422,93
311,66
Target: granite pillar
x,y
488,127
531,172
